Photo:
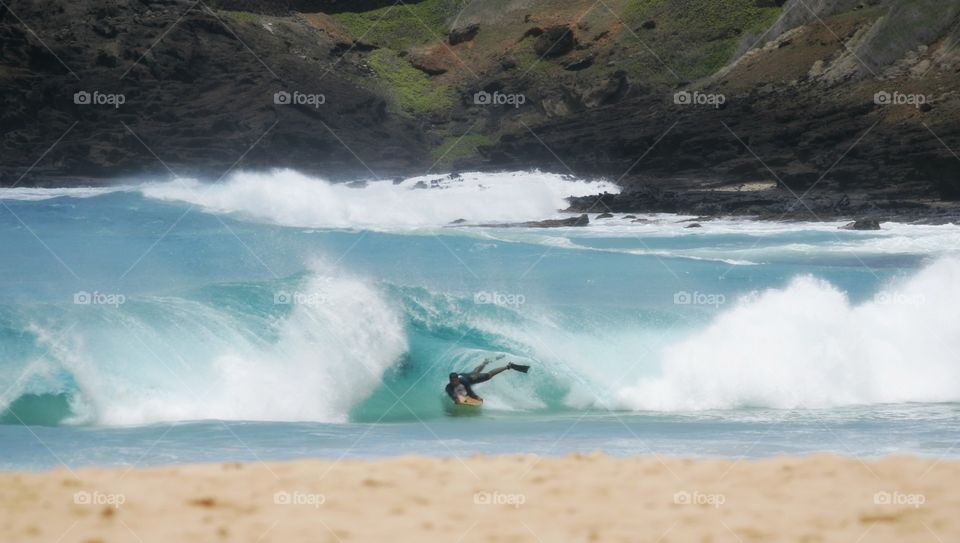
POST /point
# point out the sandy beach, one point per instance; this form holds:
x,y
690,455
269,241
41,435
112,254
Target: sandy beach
x,y
512,498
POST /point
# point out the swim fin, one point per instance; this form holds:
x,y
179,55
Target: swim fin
x,y
519,367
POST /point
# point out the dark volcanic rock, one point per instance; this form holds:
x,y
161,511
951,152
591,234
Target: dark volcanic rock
x,y
463,34
555,41
197,98
862,224
945,172
800,128
580,64
582,220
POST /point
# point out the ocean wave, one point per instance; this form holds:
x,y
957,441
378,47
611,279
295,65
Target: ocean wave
x,y
569,243
337,348
290,198
807,345
30,194
310,354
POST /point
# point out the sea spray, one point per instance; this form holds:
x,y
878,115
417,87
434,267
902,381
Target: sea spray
x,y
807,345
290,198
310,357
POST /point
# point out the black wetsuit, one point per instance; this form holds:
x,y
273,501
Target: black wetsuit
x,y
467,379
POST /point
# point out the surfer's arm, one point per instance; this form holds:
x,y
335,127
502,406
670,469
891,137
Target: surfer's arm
x,y
452,392
453,395
471,393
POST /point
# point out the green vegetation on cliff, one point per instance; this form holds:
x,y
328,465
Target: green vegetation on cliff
x,y
456,148
693,38
412,90
402,25
242,16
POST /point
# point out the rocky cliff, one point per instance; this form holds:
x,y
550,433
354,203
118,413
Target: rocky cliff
x,y
707,106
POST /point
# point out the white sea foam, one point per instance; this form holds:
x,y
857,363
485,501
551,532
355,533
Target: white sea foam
x,y
807,345
31,194
328,353
290,198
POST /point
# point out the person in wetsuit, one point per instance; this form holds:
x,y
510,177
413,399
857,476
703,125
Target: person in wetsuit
x,y
461,384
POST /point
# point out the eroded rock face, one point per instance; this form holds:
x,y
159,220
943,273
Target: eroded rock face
x,y
799,111
555,41
862,224
197,98
579,64
432,61
582,220
463,34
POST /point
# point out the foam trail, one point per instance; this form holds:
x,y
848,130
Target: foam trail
x,y
806,345
30,194
289,198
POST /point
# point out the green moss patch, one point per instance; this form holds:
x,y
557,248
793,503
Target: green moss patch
x,y
242,16
694,38
401,26
456,148
412,90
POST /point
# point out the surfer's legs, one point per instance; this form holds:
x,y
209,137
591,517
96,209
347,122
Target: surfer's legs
x,y
481,377
479,368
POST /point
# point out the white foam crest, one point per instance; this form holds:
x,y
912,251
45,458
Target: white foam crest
x,y
329,353
806,345
533,236
290,198
893,239
30,194
902,240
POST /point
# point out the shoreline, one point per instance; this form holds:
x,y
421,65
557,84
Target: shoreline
x,y
762,202
773,205
579,497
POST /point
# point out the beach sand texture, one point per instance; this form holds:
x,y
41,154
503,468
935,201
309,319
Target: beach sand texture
x,y
512,498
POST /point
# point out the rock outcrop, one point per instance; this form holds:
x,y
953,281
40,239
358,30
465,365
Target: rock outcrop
x,y
842,108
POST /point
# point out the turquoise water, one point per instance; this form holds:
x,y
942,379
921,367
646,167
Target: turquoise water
x,y
276,316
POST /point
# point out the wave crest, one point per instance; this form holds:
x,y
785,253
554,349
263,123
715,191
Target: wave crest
x,y
290,198
806,345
